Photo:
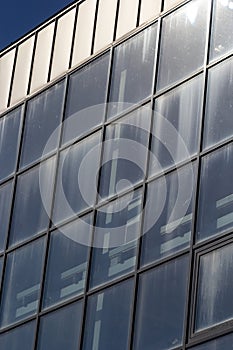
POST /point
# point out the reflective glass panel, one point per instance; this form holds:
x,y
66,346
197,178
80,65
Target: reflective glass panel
x,y
221,40
43,117
115,238
5,206
223,343
183,42
9,140
215,211
86,98
76,181
161,306
32,202
219,105
132,72
108,316
67,261
168,214
214,292
176,124
22,280
19,338
60,330
125,152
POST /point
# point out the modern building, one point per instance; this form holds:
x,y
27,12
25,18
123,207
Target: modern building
x,y
116,187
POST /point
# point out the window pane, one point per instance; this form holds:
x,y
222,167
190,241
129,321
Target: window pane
x,y
215,212
176,125
223,343
221,40
44,113
125,23
66,277
168,221
5,207
73,192
19,338
30,217
180,55
125,152
86,98
108,315
219,105
22,283
6,68
62,47
214,293
115,238
60,330
132,72
161,306
9,134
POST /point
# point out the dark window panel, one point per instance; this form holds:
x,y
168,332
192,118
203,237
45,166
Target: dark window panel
x,y
67,261
132,74
215,209
5,206
183,42
176,125
19,338
115,239
214,291
168,214
221,39
223,343
32,202
161,306
60,330
76,181
107,318
219,105
9,136
22,281
86,98
125,152
43,118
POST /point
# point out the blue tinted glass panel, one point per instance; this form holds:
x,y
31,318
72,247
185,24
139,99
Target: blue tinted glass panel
x,y
66,277
161,306
221,39
215,285
76,181
19,338
5,206
125,152
60,330
32,202
43,118
180,53
215,211
86,98
132,74
176,125
219,105
115,238
22,280
108,315
168,221
9,136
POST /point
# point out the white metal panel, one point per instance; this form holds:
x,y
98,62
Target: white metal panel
x,y
63,41
149,9
127,17
22,70
42,57
84,31
170,3
6,67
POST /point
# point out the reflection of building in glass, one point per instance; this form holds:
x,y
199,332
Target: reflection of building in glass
x,y
116,194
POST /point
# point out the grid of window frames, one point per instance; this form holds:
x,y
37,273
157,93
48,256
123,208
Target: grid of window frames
x,y
116,199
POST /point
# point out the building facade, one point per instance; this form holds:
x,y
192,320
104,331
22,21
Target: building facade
x,y
116,194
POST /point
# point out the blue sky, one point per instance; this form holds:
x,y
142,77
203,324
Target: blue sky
x,y
17,17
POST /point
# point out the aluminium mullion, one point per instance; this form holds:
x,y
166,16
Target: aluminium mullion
x,y
94,26
116,19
